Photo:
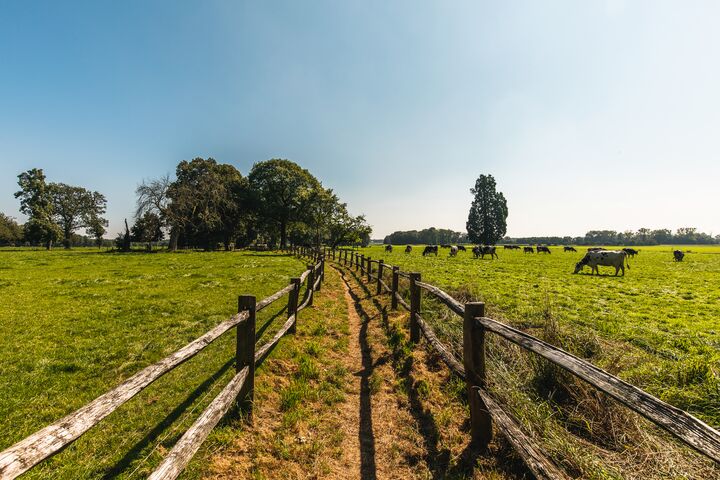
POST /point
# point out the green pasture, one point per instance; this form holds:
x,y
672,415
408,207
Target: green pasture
x,y
76,323
659,324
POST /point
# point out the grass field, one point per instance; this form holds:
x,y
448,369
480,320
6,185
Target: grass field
x,y
76,323
658,327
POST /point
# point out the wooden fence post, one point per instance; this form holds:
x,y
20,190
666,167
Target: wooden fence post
x,y
379,275
361,259
293,302
245,353
414,307
474,360
311,282
369,269
322,270
393,293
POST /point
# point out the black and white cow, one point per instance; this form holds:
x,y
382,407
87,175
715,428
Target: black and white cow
x,y
528,250
462,248
482,250
678,255
453,250
408,249
607,258
595,249
541,248
569,249
631,252
388,248
430,249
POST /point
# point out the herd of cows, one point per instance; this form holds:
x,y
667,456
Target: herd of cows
x,y
595,256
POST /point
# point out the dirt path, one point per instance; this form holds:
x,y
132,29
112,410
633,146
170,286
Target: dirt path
x,y
346,397
381,442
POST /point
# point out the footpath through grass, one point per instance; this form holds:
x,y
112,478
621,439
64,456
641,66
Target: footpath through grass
x,y
76,323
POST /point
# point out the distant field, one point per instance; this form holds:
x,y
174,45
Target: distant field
x,y
74,324
662,319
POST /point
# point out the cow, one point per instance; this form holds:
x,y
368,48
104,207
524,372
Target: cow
x,y
595,249
388,248
528,250
453,251
569,249
482,250
607,258
430,249
543,249
678,255
408,249
462,248
445,245
631,252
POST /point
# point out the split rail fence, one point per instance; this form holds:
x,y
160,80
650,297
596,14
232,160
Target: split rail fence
x,y
27,453
484,408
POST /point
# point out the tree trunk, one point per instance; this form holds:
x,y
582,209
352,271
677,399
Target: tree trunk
x,y
49,244
283,234
174,235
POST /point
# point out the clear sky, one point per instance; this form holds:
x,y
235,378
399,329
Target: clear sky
x,y
590,114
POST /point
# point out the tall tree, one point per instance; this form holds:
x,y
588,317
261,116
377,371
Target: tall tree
x,y
76,207
282,192
487,220
147,229
36,201
152,197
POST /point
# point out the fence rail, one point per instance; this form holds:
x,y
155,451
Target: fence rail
x,y
27,453
484,408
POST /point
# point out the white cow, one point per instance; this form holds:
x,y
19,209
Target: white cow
x,y
453,250
607,258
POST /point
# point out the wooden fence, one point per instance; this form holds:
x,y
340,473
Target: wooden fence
x,y
484,408
41,445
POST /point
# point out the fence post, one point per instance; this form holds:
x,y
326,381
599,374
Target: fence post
x,y
369,269
245,353
395,279
474,360
293,302
414,307
322,270
311,282
379,275
362,264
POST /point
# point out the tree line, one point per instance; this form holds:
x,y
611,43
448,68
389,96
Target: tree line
x,y
206,205
643,236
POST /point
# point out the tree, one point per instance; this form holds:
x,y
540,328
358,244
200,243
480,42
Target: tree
x,y
10,232
152,197
36,201
487,220
147,229
76,207
282,190
124,240
208,202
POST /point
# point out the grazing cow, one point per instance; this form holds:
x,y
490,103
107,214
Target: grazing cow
x,y
445,245
507,247
528,250
408,249
462,248
388,248
540,248
430,249
482,250
569,249
678,255
595,249
453,251
631,252
608,258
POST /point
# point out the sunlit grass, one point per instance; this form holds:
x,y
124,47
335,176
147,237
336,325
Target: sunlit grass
x,y
76,323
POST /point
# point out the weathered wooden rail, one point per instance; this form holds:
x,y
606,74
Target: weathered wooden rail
x,y
32,450
484,408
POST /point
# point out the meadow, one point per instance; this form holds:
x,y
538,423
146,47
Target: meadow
x,y
76,323
658,327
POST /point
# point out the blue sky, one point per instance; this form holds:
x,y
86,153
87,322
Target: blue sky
x,y
590,115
